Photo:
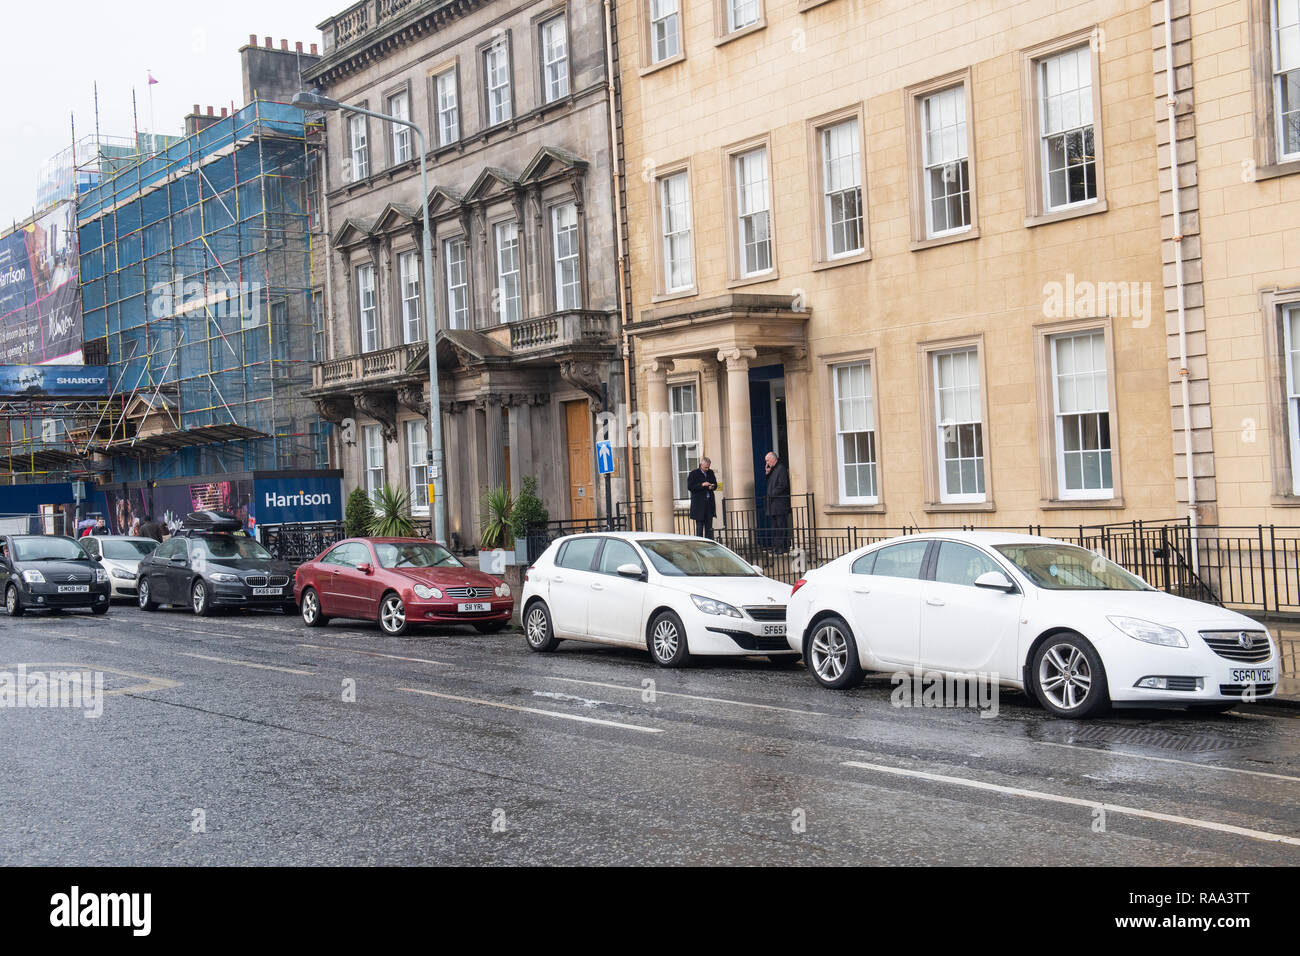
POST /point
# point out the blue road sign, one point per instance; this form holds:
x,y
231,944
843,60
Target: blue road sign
x,y
605,457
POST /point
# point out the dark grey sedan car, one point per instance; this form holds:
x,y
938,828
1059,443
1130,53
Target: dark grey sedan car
x,y
48,572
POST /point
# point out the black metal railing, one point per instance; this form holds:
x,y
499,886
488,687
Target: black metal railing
x,y
299,543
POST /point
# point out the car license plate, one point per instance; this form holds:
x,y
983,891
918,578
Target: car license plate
x,y
475,606
774,630
267,592
1252,675
74,588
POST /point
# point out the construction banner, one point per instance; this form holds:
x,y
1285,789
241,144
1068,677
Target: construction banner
x,y
40,302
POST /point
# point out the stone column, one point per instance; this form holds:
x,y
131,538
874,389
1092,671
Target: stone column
x,y
711,408
496,458
660,441
739,481
521,440
797,418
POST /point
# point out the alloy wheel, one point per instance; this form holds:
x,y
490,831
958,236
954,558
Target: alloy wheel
x,y
1065,677
392,615
198,597
665,639
830,653
536,628
310,607
11,600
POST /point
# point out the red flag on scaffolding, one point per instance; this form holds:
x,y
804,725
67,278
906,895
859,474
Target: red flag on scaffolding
x,y
152,81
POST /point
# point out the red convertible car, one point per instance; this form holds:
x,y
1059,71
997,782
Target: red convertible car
x,y
400,582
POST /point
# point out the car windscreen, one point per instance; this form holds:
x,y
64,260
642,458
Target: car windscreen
x,y
421,555
48,548
218,546
1065,567
127,549
697,559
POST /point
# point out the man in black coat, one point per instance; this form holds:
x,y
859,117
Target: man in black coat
x,y
702,483
778,501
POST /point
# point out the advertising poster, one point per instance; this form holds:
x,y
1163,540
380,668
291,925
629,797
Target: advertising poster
x,y
40,303
169,504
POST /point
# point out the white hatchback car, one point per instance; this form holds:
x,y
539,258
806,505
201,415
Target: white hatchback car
x,y
1075,630
674,595
120,555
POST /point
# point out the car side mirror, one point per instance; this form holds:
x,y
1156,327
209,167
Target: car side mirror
x,y
365,567
994,581
758,568
631,571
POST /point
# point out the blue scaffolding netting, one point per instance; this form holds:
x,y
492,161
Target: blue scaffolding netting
x,y
196,271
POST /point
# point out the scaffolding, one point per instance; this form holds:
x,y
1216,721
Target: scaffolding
x,y
196,271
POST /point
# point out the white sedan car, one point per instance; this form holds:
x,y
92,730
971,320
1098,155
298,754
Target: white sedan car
x,y
1061,622
672,594
120,555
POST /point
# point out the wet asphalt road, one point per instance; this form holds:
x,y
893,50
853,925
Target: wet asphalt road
x,y
464,748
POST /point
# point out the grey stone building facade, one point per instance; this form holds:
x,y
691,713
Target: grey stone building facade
x,y
514,101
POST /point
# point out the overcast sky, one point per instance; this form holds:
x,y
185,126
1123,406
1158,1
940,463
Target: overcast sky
x,y
53,53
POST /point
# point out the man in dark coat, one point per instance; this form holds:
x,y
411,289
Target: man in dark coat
x,y
778,501
151,529
701,483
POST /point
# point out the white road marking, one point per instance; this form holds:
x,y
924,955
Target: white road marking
x,y
712,700
1079,802
263,667
395,657
534,710
150,683
1185,763
82,637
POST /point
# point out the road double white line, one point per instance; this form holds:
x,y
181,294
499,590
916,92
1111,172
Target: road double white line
x,y
1262,835
262,667
670,693
534,710
391,657
1183,763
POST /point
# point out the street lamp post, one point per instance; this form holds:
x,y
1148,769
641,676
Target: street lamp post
x,y
316,101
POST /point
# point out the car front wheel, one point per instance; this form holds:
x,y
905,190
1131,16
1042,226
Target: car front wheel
x,y
667,641
537,629
1068,678
832,655
392,615
13,603
201,598
311,609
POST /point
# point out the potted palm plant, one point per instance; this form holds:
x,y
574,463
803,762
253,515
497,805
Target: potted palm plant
x,y
392,514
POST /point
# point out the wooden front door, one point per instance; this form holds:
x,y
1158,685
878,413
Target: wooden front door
x,y
582,461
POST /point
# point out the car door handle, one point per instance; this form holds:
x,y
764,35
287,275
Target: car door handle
x,y
597,586
934,602
557,579
862,590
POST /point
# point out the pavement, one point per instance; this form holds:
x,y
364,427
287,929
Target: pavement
x,y
250,739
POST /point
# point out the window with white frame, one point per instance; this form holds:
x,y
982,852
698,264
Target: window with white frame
x,y
1081,402
741,14
399,105
685,412
358,147
319,352
408,277
496,74
944,156
374,448
855,433
959,425
453,253
675,220
417,465
842,188
368,308
444,85
1069,156
1291,355
508,301
665,30
555,59
1286,77
564,240
753,213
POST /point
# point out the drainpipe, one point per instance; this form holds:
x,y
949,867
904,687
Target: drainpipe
x,y
1171,105
615,154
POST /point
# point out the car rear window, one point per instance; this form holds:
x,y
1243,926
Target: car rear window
x,y
577,554
900,560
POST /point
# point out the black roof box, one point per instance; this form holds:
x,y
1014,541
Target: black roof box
x,y
212,521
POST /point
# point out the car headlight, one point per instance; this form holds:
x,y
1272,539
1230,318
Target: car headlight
x,y
710,606
426,592
123,574
222,578
502,590
101,576
33,577
1148,632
